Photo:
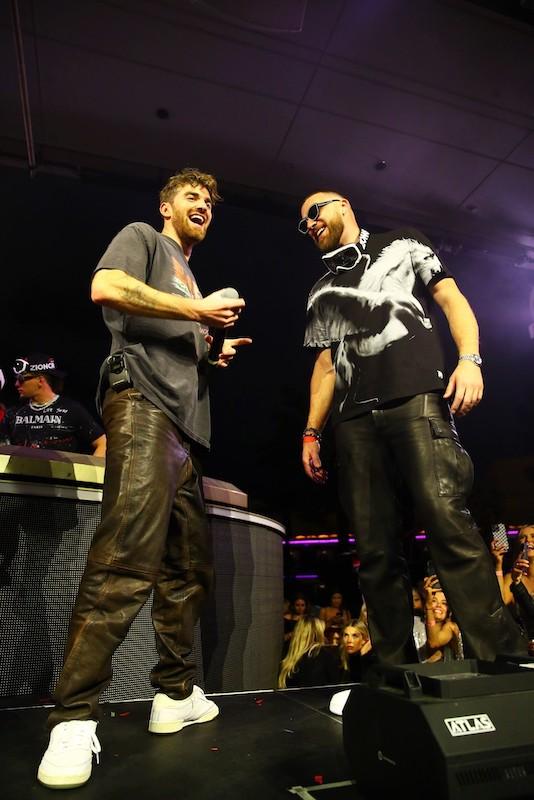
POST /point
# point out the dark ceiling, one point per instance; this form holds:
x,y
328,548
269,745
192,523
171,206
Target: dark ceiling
x,y
422,111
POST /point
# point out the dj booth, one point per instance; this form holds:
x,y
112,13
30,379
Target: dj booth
x,y
50,506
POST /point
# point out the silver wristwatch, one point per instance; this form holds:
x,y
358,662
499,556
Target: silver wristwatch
x,y
474,357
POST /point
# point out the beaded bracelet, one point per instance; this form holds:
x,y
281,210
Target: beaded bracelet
x,y
311,435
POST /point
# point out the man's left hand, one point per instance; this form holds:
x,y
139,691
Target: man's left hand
x,y
465,387
229,350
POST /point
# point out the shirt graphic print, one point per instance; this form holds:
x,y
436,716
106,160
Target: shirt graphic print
x,y
373,314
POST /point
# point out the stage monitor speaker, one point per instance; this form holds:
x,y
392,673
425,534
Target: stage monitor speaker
x,y
463,729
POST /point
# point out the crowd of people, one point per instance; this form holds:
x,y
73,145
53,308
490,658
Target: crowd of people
x,y
315,659
325,646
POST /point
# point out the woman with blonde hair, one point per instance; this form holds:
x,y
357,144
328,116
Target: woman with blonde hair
x,y
309,661
354,650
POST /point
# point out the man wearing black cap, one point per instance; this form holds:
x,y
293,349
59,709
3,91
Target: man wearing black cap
x,y
47,419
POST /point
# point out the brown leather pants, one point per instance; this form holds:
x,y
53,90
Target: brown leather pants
x,y
412,448
153,535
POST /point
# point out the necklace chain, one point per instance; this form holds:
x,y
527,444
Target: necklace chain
x,y
41,406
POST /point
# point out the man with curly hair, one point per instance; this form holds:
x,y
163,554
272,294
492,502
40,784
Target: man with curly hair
x,y
153,535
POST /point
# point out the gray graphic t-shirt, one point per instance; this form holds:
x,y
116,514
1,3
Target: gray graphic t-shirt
x,y
372,311
166,359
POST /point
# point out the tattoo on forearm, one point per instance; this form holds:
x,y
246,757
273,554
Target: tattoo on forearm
x,y
136,296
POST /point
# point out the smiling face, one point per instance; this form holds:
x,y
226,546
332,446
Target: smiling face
x,y
189,214
327,230
527,535
440,606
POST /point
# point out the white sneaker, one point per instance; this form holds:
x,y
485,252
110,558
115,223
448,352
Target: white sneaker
x,y
170,716
68,761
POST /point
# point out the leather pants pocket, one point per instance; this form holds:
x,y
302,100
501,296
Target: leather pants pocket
x,y
453,467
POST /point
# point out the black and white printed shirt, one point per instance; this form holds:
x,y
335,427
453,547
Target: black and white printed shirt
x,y
374,316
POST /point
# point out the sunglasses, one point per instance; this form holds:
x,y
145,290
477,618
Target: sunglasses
x,y
313,213
24,378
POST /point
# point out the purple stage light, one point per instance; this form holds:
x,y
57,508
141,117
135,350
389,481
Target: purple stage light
x,y
314,542
311,542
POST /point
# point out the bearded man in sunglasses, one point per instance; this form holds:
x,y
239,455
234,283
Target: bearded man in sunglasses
x,y
379,373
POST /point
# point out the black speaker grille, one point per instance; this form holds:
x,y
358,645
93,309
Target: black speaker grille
x,y
43,549
509,772
470,777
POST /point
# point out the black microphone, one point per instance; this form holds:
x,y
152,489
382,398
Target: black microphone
x,y
219,334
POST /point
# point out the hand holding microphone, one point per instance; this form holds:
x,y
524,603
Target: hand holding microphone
x,y
218,310
218,355
219,333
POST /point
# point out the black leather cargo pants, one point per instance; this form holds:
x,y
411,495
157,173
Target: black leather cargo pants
x,y
153,535
413,447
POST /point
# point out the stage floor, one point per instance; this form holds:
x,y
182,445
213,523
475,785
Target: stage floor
x,y
264,745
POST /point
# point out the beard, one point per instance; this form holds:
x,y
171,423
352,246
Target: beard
x,y
330,238
187,231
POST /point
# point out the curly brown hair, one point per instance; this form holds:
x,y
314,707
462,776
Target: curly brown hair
x,y
193,177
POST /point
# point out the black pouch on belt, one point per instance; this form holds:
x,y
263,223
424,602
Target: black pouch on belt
x,y
118,376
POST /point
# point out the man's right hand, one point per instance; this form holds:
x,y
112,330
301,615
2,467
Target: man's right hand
x,y
217,311
312,462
